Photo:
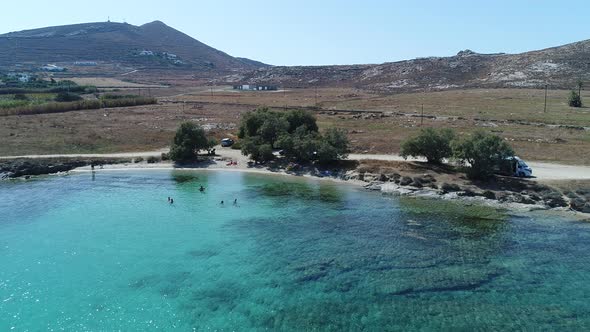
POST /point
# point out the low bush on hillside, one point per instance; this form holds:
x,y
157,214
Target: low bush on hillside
x,y
113,96
127,102
20,96
67,97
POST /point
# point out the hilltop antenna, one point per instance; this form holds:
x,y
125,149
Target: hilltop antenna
x,y
108,19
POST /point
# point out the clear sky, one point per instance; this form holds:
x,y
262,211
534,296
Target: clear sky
x,y
314,32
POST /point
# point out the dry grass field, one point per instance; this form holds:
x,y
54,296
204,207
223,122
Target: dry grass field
x,y
376,123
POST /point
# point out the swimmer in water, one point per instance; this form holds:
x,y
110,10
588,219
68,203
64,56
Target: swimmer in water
x,y
221,202
202,188
236,201
171,200
168,199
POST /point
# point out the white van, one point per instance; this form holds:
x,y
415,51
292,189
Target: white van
x,y
519,168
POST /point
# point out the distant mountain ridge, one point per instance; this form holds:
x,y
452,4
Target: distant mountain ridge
x,y
123,43
157,50
558,67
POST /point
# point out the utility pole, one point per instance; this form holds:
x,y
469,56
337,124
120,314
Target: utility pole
x,y
545,108
422,115
316,96
211,91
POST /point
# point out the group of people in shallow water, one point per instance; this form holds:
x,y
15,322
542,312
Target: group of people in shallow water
x,y
201,189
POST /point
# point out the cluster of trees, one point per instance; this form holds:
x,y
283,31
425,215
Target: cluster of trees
x,y
483,152
294,132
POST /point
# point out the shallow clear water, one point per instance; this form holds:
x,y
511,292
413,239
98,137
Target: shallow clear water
x,y
109,253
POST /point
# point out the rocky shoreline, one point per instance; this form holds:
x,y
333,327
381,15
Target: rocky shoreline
x,y
26,168
525,194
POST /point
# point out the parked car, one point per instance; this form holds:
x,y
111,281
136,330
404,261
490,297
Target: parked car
x,y
515,166
226,142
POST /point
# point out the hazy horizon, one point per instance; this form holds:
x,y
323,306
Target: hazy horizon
x,y
333,33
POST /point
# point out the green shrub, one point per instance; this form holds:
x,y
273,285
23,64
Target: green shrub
x,y
432,144
236,146
138,159
484,153
574,99
21,96
165,156
127,102
67,97
113,96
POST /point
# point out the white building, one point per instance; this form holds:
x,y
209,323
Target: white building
x,y
85,63
52,68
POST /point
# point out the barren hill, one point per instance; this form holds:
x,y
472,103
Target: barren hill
x,y
152,45
559,67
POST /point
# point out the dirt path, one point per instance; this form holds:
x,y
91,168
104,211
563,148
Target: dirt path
x,y
157,153
542,171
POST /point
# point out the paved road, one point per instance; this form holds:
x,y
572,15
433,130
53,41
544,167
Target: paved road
x,y
541,171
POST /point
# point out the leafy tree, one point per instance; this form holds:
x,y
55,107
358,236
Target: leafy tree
x,y
257,149
189,139
434,145
298,118
483,152
574,99
334,145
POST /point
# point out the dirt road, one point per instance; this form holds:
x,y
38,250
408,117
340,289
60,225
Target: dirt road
x,y
541,171
157,153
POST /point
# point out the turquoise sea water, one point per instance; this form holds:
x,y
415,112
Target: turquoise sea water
x,y
107,252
